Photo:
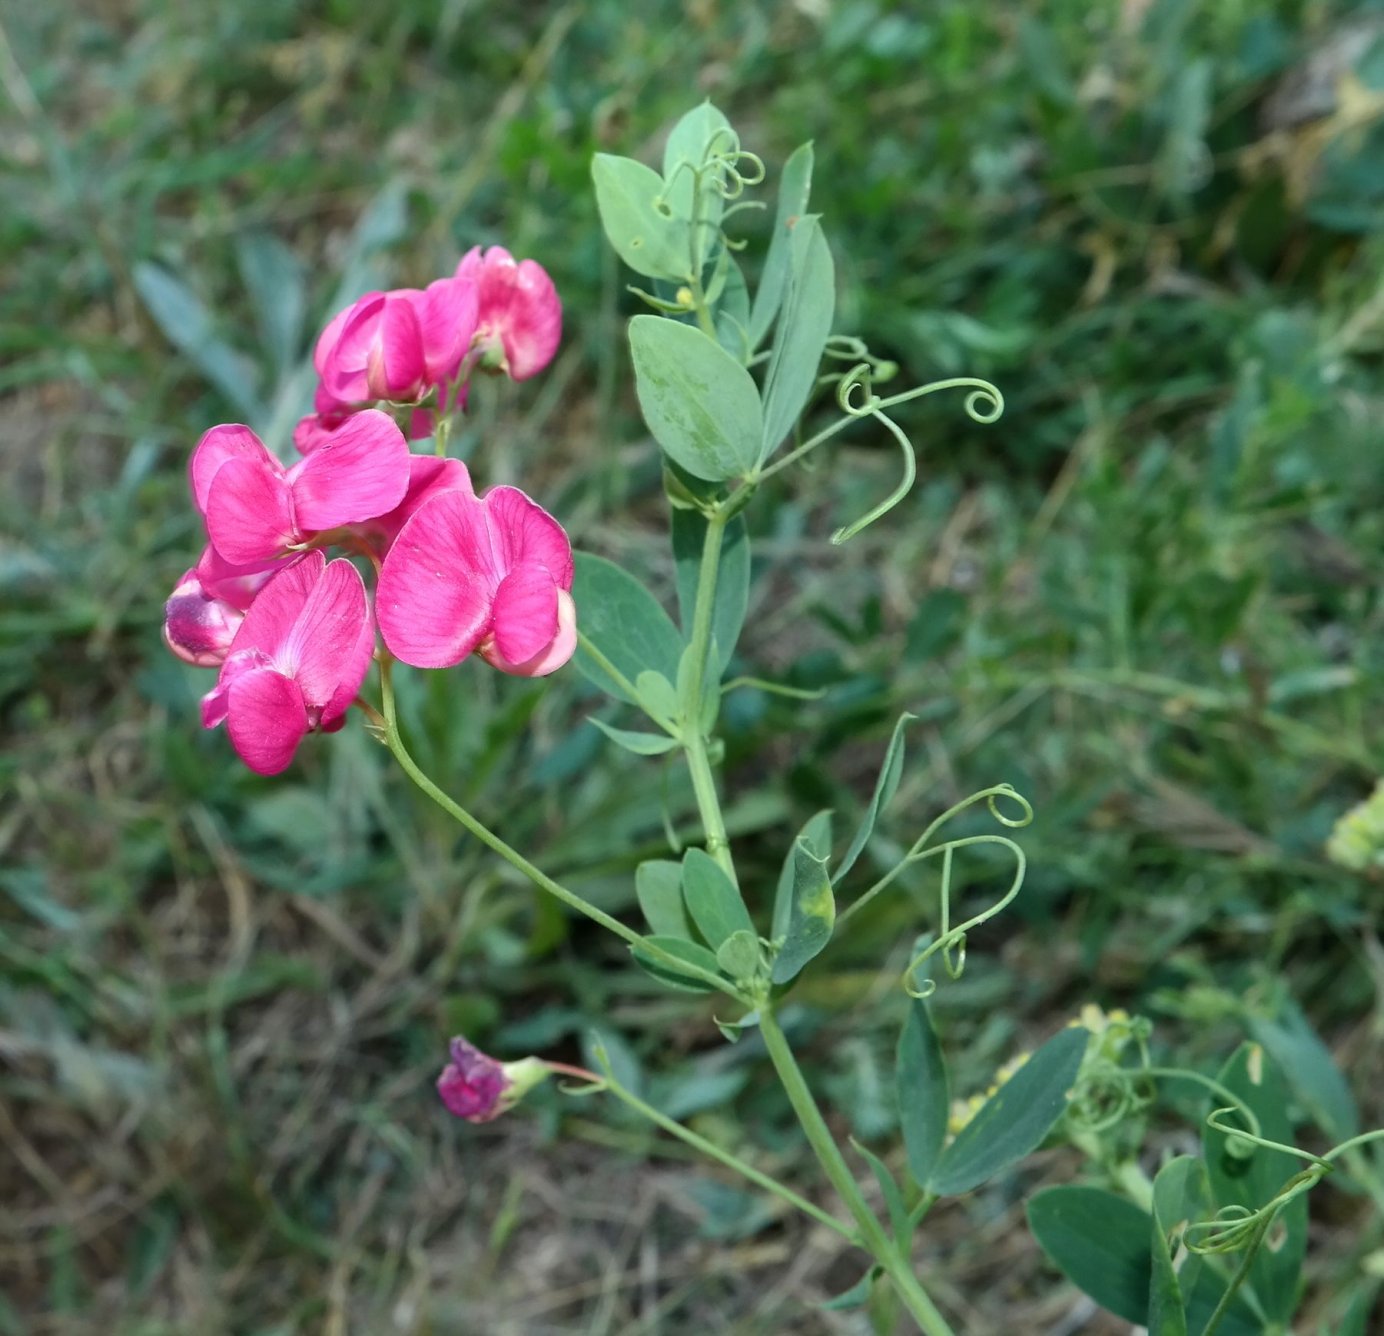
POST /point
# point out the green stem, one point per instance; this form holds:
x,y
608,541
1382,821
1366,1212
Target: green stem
x,y
515,859
897,1266
715,1152
694,740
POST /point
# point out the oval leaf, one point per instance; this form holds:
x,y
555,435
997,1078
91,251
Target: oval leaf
x,y
641,744
1015,1119
812,914
701,405
816,835
658,887
625,624
920,1075
701,130
650,241
712,899
1100,1242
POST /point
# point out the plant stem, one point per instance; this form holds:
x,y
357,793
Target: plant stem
x,y
715,1152
694,740
515,859
897,1266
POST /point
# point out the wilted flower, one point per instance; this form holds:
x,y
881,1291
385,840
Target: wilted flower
x,y
296,662
488,574
477,1088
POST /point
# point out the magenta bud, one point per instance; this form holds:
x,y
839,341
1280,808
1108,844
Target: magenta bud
x,y
197,627
475,1087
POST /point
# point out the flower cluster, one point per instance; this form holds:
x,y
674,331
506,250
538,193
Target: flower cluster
x,y
292,632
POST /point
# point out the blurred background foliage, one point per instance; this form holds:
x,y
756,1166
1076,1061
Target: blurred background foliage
x,y
1147,597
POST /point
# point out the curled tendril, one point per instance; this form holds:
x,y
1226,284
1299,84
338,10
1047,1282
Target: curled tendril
x,y
910,472
1215,1119
859,377
951,941
1235,1227
1106,1095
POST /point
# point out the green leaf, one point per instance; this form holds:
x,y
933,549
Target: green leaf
x,y
733,315
1311,1071
795,185
858,1295
812,914
658,888
657,695
801,334
701,405
702,128
1181,1196
923,1090
1100,1242
1015,1119
885,787
605,1048
641,744
739,955
712,898
188,326
1237,1180
651,241
624,623
273,275
889,1190
732,596
694,953
816,834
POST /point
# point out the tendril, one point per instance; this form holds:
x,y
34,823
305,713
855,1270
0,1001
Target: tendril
x,y
910,472
982,392
860,376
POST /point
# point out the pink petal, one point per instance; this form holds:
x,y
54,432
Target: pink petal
x,y
524,613
331,336
532,328
269,624
235,585
266,719
447,312
553,655
249,511
359,472
355,667
216,701
436,584
427,475
323,650
219,446
525,532
395,368
344,364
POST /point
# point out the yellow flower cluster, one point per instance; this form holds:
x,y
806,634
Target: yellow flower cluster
x,y
1357,840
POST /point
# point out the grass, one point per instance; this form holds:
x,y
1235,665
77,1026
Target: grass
x,y
1147,598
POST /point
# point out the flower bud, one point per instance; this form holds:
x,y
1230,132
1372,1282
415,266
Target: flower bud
x,y
477,1088
197,626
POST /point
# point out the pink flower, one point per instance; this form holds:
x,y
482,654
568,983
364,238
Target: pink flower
x,y
427,476
487,574
395,345
256,509
477,1088
520,316
296,662
205,611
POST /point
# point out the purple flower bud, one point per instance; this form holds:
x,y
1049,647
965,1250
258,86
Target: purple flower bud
x,y
199,627
477,1088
